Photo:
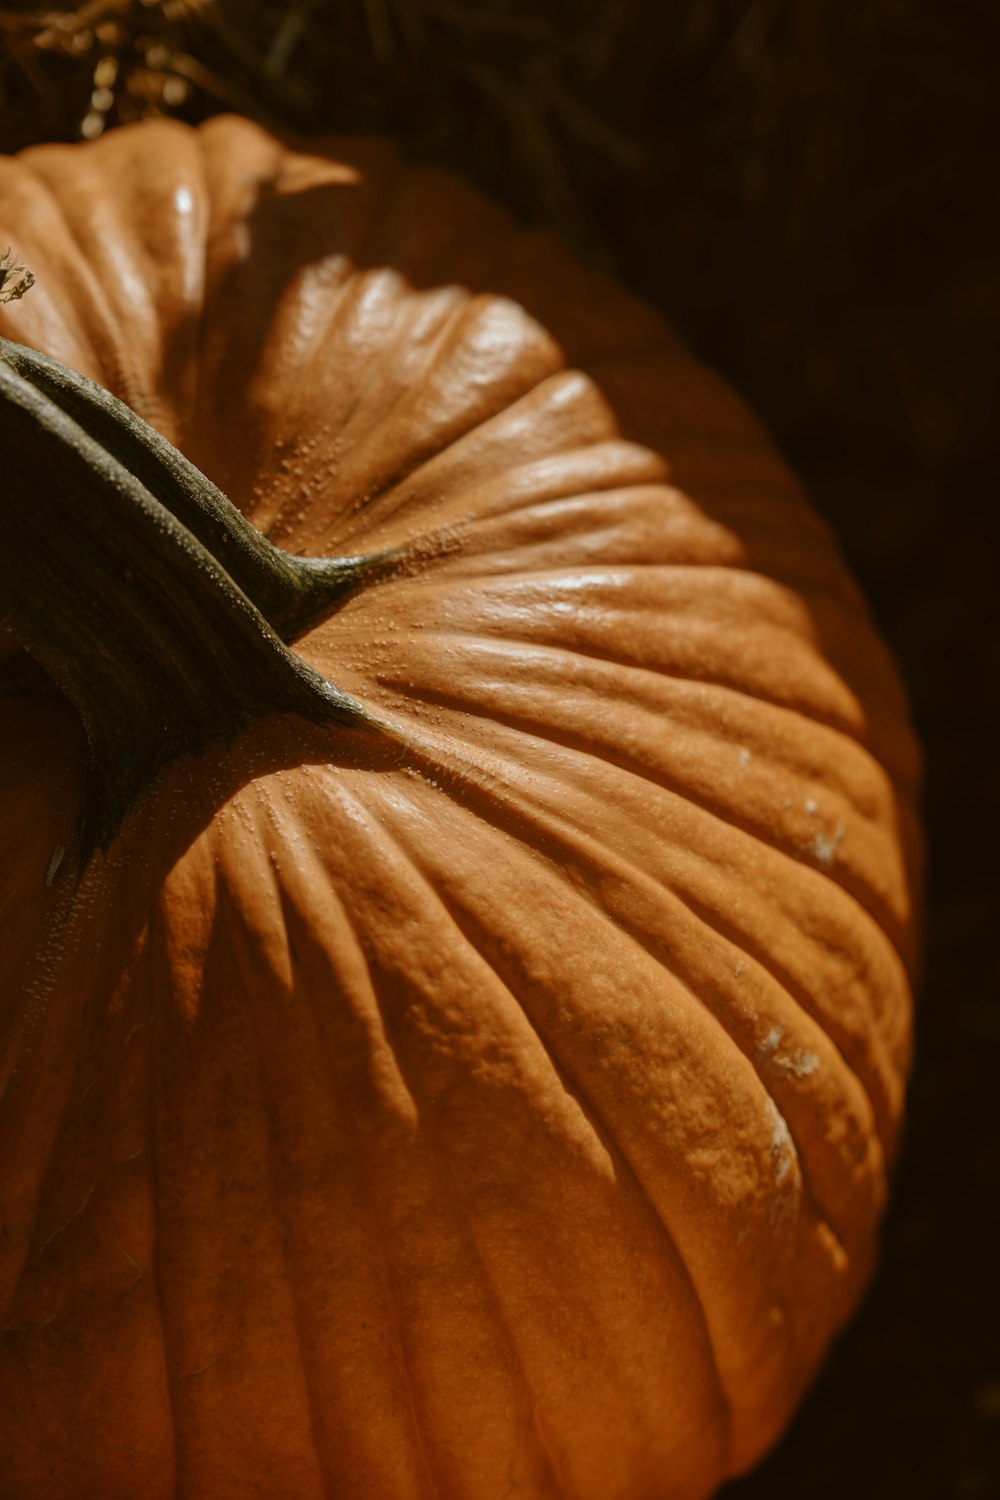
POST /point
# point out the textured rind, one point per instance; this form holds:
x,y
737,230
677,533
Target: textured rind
x,y
510,1113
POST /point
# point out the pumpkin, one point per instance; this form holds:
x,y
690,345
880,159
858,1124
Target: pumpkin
x,y
455,995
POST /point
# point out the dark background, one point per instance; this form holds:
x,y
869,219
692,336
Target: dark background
x,y
808,188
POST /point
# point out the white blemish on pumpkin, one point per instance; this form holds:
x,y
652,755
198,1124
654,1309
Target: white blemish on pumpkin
x,y
745,757
54,863
799,1064
825,849
183,201
812,807
782,1149
770,1044
738,969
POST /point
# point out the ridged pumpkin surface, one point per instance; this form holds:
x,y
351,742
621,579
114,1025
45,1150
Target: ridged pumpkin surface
x,y
507,1113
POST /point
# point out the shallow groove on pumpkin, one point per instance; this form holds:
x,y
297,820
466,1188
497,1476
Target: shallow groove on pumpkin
x,y
511,668
173,1038
247,965
90,241
532,726
729,597
404,337
511,612
322,326
390,1001
433,899
384,504
539,827
615,870
387,1001
600,469
578,1087
467,872
377,1232
890,925
215,1273
475,561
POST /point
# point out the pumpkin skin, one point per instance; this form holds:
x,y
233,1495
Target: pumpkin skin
x,y
509,1112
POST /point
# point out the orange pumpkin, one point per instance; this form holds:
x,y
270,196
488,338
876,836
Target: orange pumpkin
x,y
484,1081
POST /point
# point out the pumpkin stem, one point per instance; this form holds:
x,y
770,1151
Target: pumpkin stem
x,y
292,593
110,576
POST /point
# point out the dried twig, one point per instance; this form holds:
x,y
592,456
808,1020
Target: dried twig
x,y
15,278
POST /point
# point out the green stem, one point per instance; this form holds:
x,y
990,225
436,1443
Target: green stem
x,y
292,593
110,576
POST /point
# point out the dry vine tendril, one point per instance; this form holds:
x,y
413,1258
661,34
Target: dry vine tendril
x,y
15,278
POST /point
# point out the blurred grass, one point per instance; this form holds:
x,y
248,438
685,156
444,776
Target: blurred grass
x,y
804,187
808,189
